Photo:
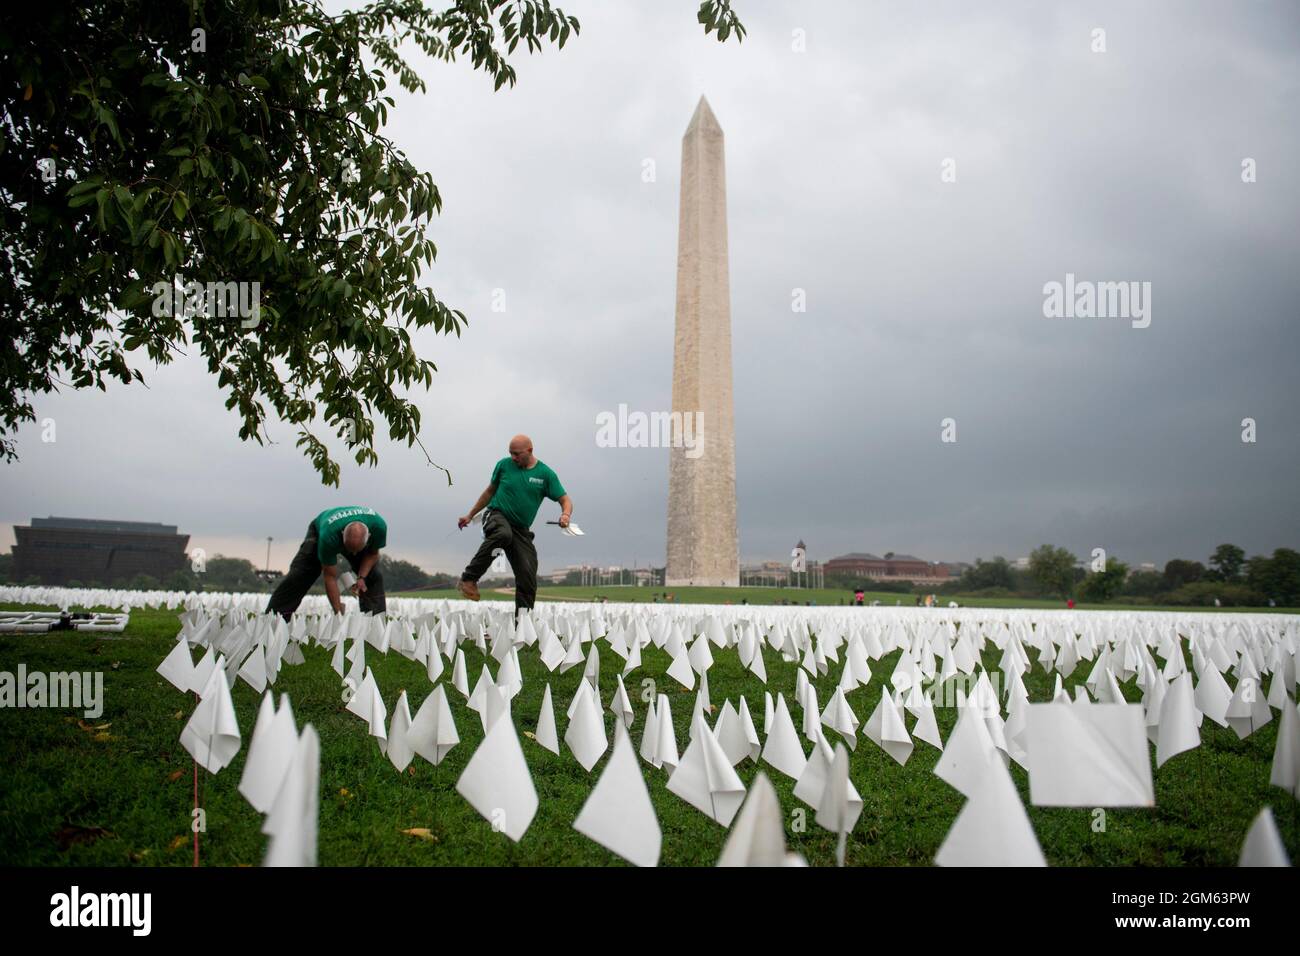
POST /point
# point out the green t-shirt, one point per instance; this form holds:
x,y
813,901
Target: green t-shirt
x,y
520,490
329,531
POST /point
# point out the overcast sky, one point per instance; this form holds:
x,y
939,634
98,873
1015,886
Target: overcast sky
x,y
924,298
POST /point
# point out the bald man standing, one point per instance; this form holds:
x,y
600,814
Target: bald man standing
x,y
519,483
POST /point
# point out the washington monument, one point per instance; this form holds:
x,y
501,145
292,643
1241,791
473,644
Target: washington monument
x,y
702,545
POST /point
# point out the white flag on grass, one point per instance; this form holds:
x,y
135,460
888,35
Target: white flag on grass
x,y
620,706
585,735
549,648
658,739
212,734
839,717
840,805
731,734
968,754
681,671
178,667
292,821
367,704
497,784
1248,710
546,733
477,700
812,782
1178,720
751,732
618,813
1212,695
1263,846
783,751
705,778
758,838
203,670
886,728
253,670
1088,756
398,746
433,731
992,829
270,752
1286,752
459,677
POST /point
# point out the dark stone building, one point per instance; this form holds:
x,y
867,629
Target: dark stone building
x,y
59,550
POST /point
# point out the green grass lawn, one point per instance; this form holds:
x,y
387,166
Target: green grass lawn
x,y
119,790
823,597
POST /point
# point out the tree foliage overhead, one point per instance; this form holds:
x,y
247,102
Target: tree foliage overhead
x,y
233,141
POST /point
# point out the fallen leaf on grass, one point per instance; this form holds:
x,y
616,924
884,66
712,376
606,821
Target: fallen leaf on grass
x,y
70,834
177,843
530,735
422,833
103,737
175,775
178,715
115,665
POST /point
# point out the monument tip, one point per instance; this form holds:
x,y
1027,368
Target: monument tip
x,y
703,118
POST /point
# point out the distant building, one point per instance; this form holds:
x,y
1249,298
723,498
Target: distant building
x,y
892,567
765,573
59,550
594,575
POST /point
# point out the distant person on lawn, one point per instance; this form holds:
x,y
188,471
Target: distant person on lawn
x,y
519,484
357,534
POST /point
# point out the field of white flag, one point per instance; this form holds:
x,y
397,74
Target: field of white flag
x,y
1145,687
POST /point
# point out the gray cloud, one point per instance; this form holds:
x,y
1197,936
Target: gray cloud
x,y
924,298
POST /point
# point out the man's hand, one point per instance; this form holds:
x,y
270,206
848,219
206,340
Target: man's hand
x,y
564,521
360,587
461,522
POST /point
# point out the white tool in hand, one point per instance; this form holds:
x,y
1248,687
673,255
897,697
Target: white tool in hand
x,y
572,529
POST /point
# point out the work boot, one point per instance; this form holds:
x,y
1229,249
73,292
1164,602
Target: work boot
x,y
469,589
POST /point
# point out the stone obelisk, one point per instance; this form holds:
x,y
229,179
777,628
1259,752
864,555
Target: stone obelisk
x,y
702,544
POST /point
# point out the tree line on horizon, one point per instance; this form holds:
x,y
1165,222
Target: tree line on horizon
x,y
1053,572
1228,577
